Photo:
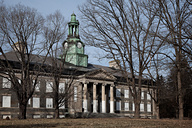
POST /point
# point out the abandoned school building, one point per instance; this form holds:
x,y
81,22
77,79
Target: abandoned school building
x,y
97,89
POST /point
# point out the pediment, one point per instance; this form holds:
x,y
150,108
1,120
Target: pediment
x,y
100,74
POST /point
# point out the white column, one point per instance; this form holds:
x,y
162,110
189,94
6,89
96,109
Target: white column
x,y
111,99
103,99
95,98
85,97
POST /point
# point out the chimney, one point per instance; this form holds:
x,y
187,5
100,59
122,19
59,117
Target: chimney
x,y
114,64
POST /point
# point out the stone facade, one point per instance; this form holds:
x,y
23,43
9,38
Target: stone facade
x,y
93,94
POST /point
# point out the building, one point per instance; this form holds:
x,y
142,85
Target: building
x,y
97,89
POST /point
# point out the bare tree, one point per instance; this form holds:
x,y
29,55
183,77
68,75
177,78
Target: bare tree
x,y
175,16
20,28
54,33
122,29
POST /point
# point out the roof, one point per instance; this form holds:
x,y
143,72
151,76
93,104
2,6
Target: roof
x,y
38,59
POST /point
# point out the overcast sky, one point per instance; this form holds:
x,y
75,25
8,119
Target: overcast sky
x,y
66,7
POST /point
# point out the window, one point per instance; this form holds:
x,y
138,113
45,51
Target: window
x,y
118,105
61,116
142,107
142,95
36,102
126,106
29,101
126,93
61,87
62,107
19,81
5,116
49,86
37,86
6,101
118,92
36,116
148,97
75,94
6,83
49,116
148,107
133,106
49,102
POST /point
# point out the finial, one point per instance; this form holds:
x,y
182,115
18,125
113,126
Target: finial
x,y
73,17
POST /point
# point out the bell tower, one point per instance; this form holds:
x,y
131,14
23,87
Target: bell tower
x,y
73,27
73,46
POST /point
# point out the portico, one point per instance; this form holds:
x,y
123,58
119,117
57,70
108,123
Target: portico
x,y
96,98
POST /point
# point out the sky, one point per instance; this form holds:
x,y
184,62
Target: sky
x,y
66,7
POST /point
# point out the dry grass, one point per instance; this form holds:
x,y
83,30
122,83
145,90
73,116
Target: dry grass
x,y
96,123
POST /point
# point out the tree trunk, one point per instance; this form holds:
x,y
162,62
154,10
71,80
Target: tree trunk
x,y
22,111
157,115
137,110
56,105
180,96
57,113
138,98
56,97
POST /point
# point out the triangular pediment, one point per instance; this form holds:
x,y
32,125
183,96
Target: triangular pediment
x,y
100,74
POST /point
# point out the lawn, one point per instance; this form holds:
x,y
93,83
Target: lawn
x,y
96,123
